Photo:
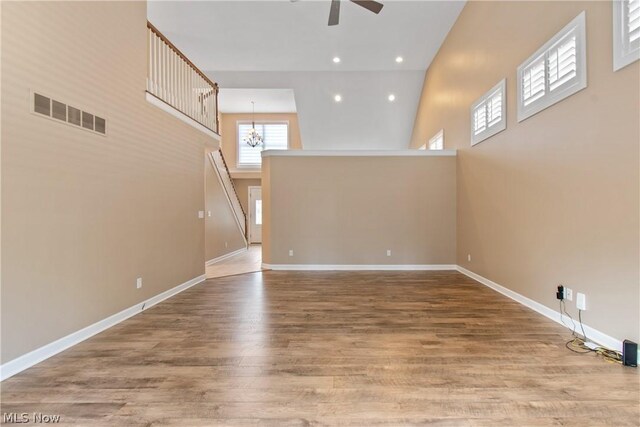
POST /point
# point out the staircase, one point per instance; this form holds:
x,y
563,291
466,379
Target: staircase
x,y
222,171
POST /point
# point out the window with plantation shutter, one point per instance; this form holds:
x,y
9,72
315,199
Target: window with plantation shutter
x,y
626,32
275,137
437,141
557,70
489,114
562,62
533,87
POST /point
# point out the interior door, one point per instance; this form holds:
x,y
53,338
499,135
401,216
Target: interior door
x,y
255,214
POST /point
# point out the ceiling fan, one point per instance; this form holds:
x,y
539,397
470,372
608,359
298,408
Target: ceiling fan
x,y
334,12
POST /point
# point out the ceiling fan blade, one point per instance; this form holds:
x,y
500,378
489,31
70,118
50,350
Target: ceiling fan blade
x,y
334,13
371,5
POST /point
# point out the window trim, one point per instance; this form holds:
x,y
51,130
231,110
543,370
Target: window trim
x,y
257,122
497,127
577,24
622,56
438,134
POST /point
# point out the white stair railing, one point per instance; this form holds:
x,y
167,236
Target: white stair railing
x,y
174,79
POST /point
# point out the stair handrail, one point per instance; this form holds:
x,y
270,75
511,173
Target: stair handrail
x,y
232,184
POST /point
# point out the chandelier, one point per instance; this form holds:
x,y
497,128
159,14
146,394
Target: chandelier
x,y
253,138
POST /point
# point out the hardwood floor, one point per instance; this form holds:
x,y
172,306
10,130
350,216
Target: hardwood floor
x,y
330,348
245,262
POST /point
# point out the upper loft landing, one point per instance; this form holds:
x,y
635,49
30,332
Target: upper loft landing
x,y
178,87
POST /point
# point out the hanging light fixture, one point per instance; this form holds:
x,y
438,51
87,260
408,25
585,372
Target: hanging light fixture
x,y
253,138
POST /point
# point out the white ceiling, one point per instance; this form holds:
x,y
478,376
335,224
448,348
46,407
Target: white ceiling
x,y
365,119
282,44
294,36
266,100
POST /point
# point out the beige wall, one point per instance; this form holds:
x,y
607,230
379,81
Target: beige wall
x,y
242,188
350,210
83,215
553,199
229,133
222,234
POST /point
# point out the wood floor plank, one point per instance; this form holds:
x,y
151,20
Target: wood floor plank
x,y
330,349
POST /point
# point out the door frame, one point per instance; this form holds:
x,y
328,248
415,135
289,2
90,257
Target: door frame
x,y
249,187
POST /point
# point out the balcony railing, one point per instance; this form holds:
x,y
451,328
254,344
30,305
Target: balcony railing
x,y
175,80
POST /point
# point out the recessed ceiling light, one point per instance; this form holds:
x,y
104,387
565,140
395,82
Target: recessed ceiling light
x,y
399,59
391,98
337,98
336,60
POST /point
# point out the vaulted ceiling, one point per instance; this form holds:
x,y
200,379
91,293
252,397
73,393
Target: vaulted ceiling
x,y
288,45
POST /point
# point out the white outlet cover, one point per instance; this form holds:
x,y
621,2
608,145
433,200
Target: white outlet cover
x,y
469,257
139,282
581,301
209,214
568,294
388,252
200,214
290,252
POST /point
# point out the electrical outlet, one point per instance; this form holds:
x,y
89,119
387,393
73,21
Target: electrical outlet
x,y
290,252
581,301
388,252
200,214
568,294
469,257
226,244
209,214
139,282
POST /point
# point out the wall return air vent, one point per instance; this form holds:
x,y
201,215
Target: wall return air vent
x,y
59,111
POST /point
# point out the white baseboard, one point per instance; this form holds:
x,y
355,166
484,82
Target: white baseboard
x,y
593,334
226,256
358,267
36,356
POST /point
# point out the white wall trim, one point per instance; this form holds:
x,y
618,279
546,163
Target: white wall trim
x,y
358,267
226,256
593,334
358,153
180,115
36,356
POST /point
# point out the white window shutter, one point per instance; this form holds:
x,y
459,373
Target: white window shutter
x,y
626,32
437,141
555,71
633,22
488,113
494,109
480,119
562,63
533,84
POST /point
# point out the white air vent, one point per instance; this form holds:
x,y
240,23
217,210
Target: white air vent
x,y
46,107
